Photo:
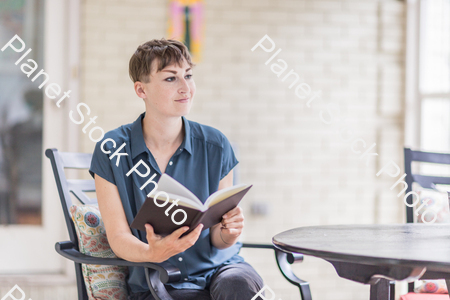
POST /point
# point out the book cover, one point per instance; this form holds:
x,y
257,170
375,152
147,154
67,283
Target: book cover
x,y
164,218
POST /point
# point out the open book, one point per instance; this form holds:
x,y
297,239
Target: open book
x,y
209,213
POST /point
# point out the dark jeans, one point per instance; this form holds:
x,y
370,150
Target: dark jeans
x,y
232,282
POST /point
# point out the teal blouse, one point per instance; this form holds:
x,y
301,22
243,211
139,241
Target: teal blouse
x,y
203,159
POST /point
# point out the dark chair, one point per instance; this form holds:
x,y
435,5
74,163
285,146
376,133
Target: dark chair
x,y
426,182
157,274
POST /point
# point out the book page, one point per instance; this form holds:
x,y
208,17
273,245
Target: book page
x,y
224,194
183,200
171,186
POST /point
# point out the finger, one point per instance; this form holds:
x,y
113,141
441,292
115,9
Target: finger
x,y
192,237
230,213
234,219
196,231
234,212
150,231
238,219
234,232
151,235
177,233
234,225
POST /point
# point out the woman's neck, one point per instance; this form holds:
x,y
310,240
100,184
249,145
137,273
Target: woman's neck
x,y
162,134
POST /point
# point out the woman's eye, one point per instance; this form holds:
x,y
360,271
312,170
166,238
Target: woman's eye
x,y
171,79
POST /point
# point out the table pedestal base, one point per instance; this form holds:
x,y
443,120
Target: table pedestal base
x,y
382,290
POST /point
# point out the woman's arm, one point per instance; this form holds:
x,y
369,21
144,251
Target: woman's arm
x,y
124,244
226,233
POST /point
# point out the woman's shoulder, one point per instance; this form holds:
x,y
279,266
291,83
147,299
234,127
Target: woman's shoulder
x,y
120,134
207,133
116,137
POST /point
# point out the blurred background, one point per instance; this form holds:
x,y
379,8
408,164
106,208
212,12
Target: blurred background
x,y
386,63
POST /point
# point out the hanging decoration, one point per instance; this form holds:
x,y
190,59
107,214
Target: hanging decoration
x,y
186,25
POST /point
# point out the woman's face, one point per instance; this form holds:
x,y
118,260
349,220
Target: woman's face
x,y
170,92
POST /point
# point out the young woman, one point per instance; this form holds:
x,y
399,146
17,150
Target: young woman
x,y
198,156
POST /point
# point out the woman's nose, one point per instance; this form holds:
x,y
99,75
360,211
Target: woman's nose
x,y
184,88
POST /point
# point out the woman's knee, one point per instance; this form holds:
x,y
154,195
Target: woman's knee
x,y
236,280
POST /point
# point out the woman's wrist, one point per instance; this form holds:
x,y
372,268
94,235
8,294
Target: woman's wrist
x,y
148,253
226,238
223,240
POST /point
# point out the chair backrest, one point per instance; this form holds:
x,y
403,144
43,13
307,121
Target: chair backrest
x,y
60,162
424,180
70,160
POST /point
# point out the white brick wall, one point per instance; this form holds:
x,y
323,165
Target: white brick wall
x,y
351,50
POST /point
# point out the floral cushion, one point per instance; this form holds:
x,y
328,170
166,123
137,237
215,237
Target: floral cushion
x,y
414,296
102,282
432,286
438,202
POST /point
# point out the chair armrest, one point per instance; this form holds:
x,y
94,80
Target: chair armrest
x,y
167,272
291,257
284,260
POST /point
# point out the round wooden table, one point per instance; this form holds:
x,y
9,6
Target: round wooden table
x,y
375,254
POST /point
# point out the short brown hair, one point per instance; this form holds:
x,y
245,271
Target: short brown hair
x,y
168,52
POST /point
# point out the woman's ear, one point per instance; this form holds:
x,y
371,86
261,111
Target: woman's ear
x,y
139,89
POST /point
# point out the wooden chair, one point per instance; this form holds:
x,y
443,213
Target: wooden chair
x,y
157,274
428,182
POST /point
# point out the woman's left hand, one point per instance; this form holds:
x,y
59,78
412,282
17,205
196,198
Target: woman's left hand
x,y
232,224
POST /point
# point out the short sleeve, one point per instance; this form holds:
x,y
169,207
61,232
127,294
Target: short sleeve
x,y
229,160
101,164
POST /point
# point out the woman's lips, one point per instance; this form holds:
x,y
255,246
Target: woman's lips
x,y
183,100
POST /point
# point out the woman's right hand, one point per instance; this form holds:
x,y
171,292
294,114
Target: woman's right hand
x,y
127,246
162,248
